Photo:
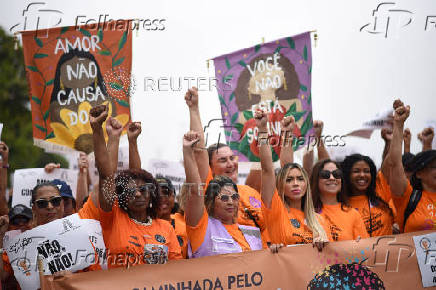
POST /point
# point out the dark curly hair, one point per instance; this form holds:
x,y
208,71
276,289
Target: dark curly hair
x,y
121,184
213,189
374,199
316,194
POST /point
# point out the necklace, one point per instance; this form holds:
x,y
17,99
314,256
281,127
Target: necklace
x,y
146,223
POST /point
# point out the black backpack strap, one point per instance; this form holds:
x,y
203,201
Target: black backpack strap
x,y
250,216
415,197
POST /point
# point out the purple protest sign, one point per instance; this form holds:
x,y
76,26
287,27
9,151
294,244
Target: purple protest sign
x,y
274,77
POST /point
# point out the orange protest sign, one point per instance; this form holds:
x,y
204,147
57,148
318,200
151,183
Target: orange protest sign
x,y
70,70
377,263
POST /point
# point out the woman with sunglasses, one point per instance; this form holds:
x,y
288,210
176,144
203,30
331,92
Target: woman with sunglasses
x,y
287,202
129,204
330,200
360,176
211,219
47,206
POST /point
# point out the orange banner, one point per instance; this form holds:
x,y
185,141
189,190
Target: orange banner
x,y
377,263
70,70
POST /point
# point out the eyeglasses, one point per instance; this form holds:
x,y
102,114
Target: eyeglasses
x,y
43,203
143,189
325,174
226,197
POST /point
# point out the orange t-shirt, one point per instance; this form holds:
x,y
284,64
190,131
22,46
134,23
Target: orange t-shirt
x,y
377,219
89,210
196,234
179,225
130,243
423,217
249,200
344,224
382,187
288,226
383,190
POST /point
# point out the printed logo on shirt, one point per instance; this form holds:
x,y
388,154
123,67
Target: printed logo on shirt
x,y
295,223
160,239
334,229
254,202
134,241
155,254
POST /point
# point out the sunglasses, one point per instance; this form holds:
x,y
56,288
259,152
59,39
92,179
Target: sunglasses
x,y
43,203
325,174
143,189
226,197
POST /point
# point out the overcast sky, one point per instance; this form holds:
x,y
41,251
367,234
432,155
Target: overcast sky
x,y
355,73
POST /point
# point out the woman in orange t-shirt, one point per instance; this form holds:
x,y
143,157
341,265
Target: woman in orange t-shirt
x,y
423,179
287,203
360,176
128,204
211,218
329,199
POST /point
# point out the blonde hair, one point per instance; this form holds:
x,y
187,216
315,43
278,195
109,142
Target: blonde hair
x,y
183,196
310,215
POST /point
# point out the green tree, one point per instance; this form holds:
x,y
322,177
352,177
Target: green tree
x,y
15,111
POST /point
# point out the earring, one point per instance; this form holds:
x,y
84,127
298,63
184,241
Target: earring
x,y
285,85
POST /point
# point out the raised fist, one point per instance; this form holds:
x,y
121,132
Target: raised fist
x,y
98,115
318,126
261,119
288,123
191,97
113,127
401,114
134,130
190,139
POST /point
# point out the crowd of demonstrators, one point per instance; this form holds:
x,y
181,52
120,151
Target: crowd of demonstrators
x,y
144,221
